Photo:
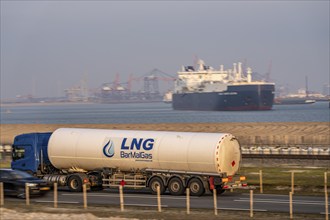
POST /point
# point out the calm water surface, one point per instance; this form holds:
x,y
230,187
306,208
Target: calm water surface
x,y
155,113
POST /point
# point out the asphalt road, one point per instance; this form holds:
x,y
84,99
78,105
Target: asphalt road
x,y
226,201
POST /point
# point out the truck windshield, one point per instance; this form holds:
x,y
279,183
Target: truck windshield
x,y
18,153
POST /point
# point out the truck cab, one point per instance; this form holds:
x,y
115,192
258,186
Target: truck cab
x,y
29,152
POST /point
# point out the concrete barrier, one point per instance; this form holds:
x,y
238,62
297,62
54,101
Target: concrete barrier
x,y
285,150
284,140
295,151
325,151
245,150
7,148
266,151
274,150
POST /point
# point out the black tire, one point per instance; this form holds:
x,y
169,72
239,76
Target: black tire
x,y
75,183
196,187
154,182
175,186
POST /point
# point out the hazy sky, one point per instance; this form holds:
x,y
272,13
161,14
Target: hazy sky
x,y
48,46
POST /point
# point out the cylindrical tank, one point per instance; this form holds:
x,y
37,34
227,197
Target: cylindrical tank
x,y
129,150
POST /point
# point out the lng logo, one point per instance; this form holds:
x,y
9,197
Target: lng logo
x,y
109,149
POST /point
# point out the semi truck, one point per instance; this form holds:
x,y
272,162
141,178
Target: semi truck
x,y
102,158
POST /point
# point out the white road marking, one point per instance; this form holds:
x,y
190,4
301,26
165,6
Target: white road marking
x,y
42,201
239,209
145,205
129,196
279,201
322,213
264,194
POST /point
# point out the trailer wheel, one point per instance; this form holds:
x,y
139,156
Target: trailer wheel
x,y
175,186
154,182
75,183
196,187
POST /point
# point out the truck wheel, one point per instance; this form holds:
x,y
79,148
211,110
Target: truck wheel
x,y
75,183
175,186
154,182
196,187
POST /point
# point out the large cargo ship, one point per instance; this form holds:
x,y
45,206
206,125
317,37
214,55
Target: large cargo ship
x,y
206,88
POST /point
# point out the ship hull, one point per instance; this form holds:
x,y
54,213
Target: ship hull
x,y
235,98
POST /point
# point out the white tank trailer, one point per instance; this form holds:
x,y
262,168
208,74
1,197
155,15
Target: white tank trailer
x,y
137,159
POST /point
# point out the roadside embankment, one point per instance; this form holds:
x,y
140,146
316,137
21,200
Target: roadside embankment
x,y
275,133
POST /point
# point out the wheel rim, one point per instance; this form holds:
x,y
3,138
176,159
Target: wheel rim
x,y
74,184
194,187
175,186
154,185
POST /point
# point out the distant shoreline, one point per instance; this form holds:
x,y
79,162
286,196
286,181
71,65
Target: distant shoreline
x,y
18,104
6,105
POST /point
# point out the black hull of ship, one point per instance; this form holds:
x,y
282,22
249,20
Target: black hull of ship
x,y
235,98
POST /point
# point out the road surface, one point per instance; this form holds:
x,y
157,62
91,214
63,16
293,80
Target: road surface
x,y
226,201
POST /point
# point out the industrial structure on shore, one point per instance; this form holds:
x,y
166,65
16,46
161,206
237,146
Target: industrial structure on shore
x,y
118,92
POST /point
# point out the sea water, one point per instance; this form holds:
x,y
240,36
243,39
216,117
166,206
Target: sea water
x,y
154,113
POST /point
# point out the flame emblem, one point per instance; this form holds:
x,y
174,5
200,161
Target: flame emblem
x,y
108,149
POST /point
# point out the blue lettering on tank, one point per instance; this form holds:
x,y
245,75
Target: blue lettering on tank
x,y
136,143
137,148
148,144
123,147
